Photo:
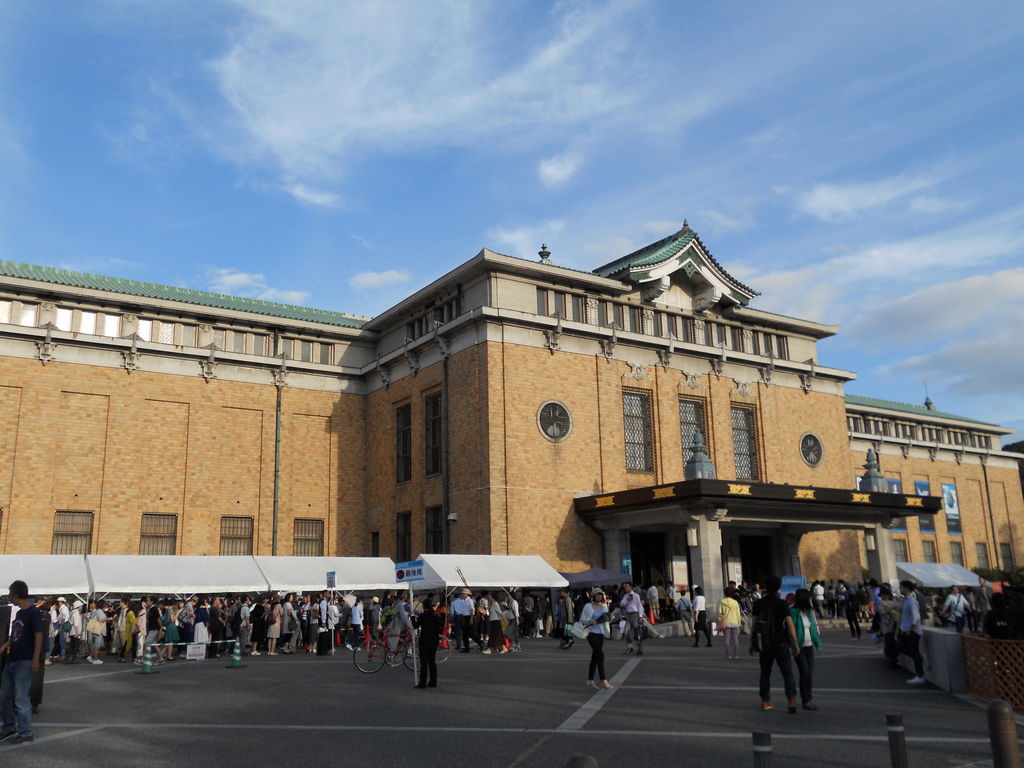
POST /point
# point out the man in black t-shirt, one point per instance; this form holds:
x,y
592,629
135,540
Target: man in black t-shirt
x,y
23,651
772,634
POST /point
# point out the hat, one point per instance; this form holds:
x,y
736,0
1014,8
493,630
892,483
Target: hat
x,y
78,604
61,600
376,599
465,591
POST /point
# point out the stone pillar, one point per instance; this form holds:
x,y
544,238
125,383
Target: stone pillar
x,y
706,558
882,559
616,543
787,551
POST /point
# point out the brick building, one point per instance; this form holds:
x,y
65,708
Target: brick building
x,y
510,406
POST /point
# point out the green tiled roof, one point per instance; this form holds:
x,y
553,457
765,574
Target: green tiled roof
x,y
664,249
917,410
172,293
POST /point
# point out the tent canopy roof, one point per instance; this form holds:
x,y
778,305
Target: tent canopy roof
x,y
530,571
594,577
175,574
46,574
937,574
306,574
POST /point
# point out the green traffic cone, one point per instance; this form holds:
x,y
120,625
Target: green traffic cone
x,y
147,663
236,656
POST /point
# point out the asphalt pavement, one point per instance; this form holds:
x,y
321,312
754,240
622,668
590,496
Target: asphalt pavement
x,y
676,705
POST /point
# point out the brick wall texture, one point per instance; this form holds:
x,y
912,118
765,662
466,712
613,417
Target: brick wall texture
x,y
81,437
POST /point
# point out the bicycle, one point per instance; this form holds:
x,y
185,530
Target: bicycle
x,y
372,654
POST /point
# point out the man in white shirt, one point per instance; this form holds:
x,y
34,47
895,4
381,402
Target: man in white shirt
x,y
63,616
653,602
910,627
631,608
818,591
459,613
956,608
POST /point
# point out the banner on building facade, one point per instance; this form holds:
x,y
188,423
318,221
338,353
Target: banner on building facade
x,y
951,504
896,486
927,522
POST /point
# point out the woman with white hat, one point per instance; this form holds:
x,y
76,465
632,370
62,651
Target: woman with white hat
x,y
594,618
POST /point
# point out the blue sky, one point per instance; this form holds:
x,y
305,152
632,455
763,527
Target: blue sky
x,y
859,164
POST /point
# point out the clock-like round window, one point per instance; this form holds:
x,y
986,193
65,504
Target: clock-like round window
x,y
554,421
811,449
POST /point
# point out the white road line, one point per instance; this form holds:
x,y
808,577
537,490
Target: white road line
x,y
749,688
579,718
469,729
53,737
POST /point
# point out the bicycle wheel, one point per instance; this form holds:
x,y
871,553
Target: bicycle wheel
x,y
369,656
395,656
407,657
443,652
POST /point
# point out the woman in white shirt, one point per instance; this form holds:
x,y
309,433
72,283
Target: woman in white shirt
x,y
594,618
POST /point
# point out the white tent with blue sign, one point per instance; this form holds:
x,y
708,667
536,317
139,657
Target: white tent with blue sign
x,y
448,572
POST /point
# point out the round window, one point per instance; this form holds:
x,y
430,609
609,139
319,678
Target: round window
x,y
554,421
811,449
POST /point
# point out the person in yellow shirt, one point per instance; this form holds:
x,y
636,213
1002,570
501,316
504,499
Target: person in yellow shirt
x,y
729,622
129,628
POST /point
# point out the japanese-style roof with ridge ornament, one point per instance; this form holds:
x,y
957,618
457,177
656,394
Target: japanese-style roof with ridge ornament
x,y
639,265
172,293
917,410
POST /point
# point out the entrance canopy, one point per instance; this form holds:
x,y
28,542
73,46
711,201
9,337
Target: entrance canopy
x,y
594,577
937,574
175,574
479,571
46,574
309,574
812,507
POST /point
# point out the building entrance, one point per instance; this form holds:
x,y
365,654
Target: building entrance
x,y
648,556
756,558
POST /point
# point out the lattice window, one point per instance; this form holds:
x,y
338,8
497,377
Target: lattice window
x,y
72,533
691,418
432,434
956,552
981,551
159,535
308,540
930,555
403,536
900,550
744,443
236,535
435,530
403,443
637,422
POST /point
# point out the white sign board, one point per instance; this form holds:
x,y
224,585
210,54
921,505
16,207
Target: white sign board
x,y
410,570
195,652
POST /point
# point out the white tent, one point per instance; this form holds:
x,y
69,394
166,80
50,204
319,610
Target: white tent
x,y
442,572
309,574
51,575
175,574
937,574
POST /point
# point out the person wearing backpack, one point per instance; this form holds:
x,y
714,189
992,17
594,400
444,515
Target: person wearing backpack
x,y
772,634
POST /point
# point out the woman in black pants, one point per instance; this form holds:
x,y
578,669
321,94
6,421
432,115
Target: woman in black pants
x,y
594,618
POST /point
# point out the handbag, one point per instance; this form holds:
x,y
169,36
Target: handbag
x,y
94,627
577,630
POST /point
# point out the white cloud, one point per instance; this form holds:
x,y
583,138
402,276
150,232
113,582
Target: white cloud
x,y
558,169
235,282
312,196
720,223
524,242
936,205
610,248
946,309
662,228
370,280
836,202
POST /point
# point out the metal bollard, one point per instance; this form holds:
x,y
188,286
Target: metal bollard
x,y
897,741
1002,733
236,656
762,750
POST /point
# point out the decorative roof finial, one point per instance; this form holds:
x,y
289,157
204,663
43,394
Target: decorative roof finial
x,y
699,465
873,480
544,253
929,404
686,224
